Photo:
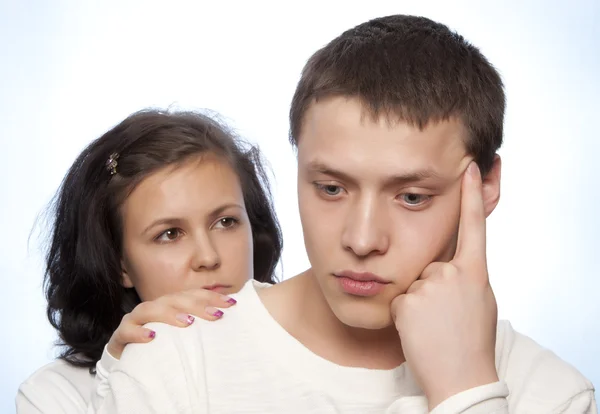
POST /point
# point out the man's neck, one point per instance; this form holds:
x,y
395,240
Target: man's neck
x,y
298,305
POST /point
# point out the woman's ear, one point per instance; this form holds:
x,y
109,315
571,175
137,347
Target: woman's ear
x,y
125,279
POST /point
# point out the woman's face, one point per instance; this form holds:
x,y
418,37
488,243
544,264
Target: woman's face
x,y
186,227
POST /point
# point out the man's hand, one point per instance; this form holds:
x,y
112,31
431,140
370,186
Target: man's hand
x,y
447,319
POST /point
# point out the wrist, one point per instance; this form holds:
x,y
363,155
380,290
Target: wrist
x,y
441,391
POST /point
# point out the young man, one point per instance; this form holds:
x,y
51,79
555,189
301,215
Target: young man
x,y
397,123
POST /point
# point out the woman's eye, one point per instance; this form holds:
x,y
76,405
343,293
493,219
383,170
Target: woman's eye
x,y
414,199
226,223
169,235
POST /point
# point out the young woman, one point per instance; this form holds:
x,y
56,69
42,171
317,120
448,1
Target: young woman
x,y
157,220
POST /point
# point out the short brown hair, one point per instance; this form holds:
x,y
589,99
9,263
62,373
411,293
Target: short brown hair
x,y
411,68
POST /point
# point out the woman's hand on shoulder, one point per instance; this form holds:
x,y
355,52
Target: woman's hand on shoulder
x,y
174,309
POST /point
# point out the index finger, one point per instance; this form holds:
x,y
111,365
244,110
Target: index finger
x,y
471,244
196,301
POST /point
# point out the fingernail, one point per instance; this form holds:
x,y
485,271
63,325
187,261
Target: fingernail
x,y
231,300
151,334
473,168
185,318
214,311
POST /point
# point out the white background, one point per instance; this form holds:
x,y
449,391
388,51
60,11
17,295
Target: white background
x,y
71,70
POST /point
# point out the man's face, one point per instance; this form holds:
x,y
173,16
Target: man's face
x,y
375,198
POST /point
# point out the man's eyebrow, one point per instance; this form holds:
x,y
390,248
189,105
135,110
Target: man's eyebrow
x,y
414,176
403,178
322,168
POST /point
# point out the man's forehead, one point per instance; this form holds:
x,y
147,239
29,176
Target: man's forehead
x,y
333,107
386,174
336,139
342,124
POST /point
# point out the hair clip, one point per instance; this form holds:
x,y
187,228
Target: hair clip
x,y
111,163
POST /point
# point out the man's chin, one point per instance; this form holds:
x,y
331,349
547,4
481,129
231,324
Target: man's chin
x,y
364,316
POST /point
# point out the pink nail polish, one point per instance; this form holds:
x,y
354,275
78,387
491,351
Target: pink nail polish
x,y
232,301
185,318
214,311
151,334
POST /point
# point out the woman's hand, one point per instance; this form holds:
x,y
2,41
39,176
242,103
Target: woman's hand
x,y
174,309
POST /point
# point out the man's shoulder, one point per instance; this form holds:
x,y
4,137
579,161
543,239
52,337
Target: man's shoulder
x,y
534,373
190,340
184,352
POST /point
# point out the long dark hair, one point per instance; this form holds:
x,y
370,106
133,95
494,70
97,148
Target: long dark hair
x,y
86,299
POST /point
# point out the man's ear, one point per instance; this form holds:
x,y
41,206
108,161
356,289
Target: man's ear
x,y
491,186
125,279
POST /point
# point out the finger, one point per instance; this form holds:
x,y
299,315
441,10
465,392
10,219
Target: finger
x,y
211,298
397,307
431,269
128,334
202,303
158,311
194,301
416,285
471,246
396,303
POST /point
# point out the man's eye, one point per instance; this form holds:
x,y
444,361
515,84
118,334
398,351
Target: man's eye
x,y
413,199
330,190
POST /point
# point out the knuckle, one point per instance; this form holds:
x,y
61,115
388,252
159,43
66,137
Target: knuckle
x,y
201,299
146,311
411,302
166,300
143,307
210,298
204,295
126,319
397,302
122,331
448,271
118,338
425,287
